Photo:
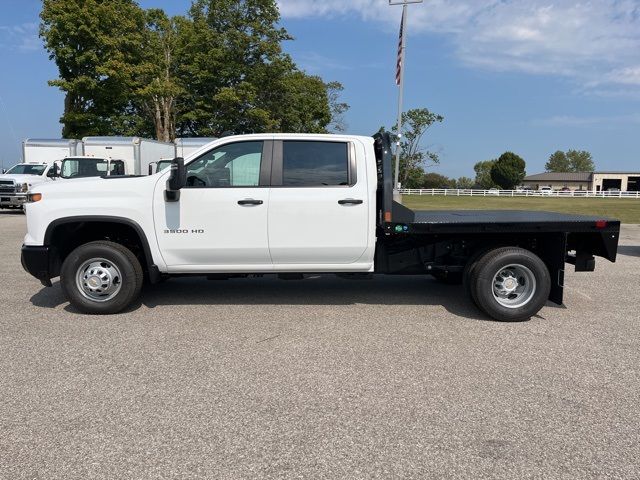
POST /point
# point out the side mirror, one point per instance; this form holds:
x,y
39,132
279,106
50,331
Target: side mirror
x,y
150,170
54,171
177,180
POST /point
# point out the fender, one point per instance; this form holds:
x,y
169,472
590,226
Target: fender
x,y
153,271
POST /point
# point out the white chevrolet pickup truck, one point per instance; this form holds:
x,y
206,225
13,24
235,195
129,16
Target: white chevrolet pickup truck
x,y
16,182
292,205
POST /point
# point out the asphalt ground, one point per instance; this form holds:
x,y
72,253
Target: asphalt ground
x,y
322,378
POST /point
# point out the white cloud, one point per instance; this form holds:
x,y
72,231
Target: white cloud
x,y
594,42
23,37
588,121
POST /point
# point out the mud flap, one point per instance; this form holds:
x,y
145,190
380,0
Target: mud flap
x,y
552,249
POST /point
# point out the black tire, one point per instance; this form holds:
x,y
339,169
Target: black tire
x,y
490,264
119,256
467,274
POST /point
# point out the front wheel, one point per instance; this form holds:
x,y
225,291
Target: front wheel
x,y
101,277
510,284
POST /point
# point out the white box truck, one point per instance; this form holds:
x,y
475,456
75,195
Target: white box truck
x,y
186,146
39,156
48,150
136,153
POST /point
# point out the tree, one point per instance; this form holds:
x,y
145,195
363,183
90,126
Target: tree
x,y
465,183
415,178
571,161
508,171
159,88
435,180
239,80
94,43
483,174
300,89
580,161
558,162
413,156
338,108
130,71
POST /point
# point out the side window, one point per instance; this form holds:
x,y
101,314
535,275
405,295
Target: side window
x,y
314,164
231,165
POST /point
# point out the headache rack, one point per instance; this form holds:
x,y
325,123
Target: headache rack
x,y
390,214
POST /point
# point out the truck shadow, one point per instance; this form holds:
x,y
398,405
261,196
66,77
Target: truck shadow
x,y
48,297
629,250
320,290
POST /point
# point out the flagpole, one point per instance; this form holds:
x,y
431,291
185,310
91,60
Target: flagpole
x,y
403,45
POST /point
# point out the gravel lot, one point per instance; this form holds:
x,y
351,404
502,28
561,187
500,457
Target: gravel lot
x,y
326,378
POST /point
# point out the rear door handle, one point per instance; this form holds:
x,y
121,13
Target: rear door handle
x,y
350,201
250,201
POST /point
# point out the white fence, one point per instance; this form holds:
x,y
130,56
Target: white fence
x,y
463,192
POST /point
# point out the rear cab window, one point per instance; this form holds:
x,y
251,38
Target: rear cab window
x,y
316,164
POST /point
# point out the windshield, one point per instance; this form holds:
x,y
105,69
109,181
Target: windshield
x,y
162,164
26,169
90,167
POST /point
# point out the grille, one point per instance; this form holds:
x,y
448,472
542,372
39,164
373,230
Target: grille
x,y
7,186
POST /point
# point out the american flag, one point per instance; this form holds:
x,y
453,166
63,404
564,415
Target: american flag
x,y
399,64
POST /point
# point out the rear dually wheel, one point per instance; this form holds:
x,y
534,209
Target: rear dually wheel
x,y
510,284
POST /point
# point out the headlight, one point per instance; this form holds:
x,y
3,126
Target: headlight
x,y
24,188
34,197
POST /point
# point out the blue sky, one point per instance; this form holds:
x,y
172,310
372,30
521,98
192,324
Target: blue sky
x,y
528,76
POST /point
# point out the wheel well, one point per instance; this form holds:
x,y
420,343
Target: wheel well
x,y
66,237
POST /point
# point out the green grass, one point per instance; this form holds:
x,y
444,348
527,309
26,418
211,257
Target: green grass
x,y
625,210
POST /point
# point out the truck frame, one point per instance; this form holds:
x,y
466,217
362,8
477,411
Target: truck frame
x,y
175,223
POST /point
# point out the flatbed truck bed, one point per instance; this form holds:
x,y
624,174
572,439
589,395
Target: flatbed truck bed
x,y
520,221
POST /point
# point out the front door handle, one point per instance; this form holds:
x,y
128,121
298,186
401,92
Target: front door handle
x,y
350,201
250,201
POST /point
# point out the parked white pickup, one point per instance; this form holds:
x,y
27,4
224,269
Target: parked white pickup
x,y
293,204
16,182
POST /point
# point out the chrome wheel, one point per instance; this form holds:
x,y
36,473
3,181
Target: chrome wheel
x,y
98,280
514,286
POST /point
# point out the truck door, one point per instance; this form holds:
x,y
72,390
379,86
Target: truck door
x,y
319,208
220,221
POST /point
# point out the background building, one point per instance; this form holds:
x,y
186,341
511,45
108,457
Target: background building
x,y
595,181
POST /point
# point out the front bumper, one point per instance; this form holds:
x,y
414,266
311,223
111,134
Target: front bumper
x,y
12,200
38,261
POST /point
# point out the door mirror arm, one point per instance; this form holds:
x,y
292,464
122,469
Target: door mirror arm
x,y
177,180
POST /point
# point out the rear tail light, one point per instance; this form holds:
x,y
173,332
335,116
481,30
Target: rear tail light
x,y
600,224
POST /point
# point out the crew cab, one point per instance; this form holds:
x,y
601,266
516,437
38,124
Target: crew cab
x,y
294,204
16,182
